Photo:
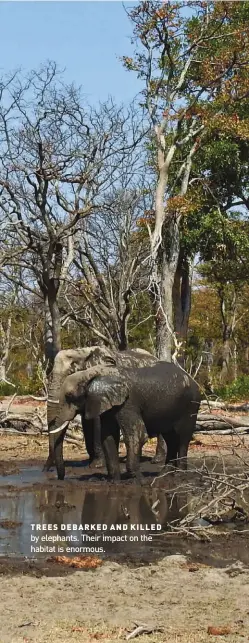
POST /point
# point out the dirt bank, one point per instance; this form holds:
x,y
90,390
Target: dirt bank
x,y
105,604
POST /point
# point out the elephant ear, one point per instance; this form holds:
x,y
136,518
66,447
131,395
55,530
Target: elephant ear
x,y
103,393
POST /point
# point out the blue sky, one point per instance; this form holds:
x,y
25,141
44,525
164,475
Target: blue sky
x,y
86,38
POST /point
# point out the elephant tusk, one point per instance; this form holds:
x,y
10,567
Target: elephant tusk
x,y
60,428
53,401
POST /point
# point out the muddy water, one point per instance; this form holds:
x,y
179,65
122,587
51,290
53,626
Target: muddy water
x,y
41,517
105,519
23,477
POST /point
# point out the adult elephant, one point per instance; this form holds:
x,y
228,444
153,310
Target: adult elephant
x,y
148,401
73,360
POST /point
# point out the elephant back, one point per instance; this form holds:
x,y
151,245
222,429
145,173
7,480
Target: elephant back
x,y
136,358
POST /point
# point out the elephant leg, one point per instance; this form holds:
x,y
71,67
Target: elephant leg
x,y
116,432
50,460
172,442
184,429
161,451
182,454
92,436
110,440
58,453
99,458
134,438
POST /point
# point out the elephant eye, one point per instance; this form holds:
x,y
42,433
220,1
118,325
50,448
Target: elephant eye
x,y
69,397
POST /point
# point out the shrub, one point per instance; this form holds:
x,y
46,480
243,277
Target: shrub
x,y
237,390
26,387
6,389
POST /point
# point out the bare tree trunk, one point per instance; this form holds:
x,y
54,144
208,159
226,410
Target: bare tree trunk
x,y
182,302
165,245
228,307
50,285
123,330
225,354
164,316
2,370
52,330
56,324
235,360
247,358
123,343
166,267
5,337
48,337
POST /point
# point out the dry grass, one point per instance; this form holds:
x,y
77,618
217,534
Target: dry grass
x,y
78,632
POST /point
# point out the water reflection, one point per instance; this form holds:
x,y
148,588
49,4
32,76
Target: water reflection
x,y
108,506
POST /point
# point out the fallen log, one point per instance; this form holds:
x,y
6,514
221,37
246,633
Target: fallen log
x,y
215,424
11,431
21,423
36,425
229,420
211,431
225,405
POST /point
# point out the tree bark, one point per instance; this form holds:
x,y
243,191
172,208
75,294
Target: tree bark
x,y
225,354
5,336
123,322
52,330
164,316
167,262
182,302
228,306
182,299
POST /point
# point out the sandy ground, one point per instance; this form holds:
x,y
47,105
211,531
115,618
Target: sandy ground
x,y
183,597
105,604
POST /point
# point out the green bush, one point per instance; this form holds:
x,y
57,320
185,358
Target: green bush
x,y
237,390
27,387
6,389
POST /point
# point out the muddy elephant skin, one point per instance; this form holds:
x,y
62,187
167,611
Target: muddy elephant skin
x,y
160,399
71,361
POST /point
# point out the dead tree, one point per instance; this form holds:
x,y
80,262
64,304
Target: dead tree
x,y
110,271
58,157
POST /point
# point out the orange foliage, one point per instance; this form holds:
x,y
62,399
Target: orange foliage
x,y
78,562
149,217
218,631
179,204
205,318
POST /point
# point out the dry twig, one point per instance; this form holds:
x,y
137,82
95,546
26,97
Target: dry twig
x,y
143,629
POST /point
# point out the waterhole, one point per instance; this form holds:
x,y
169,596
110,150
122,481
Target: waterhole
x,y
40,518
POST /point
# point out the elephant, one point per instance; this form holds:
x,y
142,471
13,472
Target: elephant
x,y
73,360
141,402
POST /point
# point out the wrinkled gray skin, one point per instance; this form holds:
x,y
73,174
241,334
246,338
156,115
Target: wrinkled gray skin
x,y
73,360
141,402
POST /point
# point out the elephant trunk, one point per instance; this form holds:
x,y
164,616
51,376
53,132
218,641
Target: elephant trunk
x,y
56,450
